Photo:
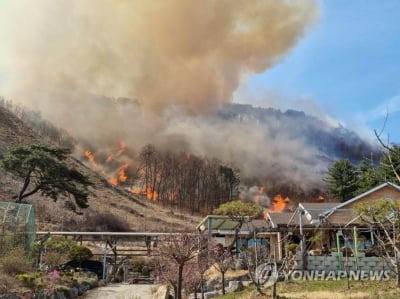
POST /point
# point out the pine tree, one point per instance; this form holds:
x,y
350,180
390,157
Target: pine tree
x,y
341,180
42,168
368,177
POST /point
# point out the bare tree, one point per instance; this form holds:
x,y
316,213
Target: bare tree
x,y
179,249
165,272
221,260
384,217
252,258
193,276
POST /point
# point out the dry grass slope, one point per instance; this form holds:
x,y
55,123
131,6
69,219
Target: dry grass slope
x,y
111,208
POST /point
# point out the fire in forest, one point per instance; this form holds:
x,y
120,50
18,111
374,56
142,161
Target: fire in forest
x,y
89,155
279,204
121,175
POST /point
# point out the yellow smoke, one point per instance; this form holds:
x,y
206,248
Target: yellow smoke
x,y
190,54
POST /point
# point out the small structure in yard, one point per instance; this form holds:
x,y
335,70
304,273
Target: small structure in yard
x,y
17,226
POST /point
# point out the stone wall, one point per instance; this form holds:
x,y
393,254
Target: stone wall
x,y
331,263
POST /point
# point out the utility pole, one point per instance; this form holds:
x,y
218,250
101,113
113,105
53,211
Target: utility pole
x,y
302,241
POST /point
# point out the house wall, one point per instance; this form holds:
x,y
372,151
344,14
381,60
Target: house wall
x,y
385,192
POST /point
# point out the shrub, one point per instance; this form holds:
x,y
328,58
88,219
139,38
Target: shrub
x,y
80,253
52,259
60,245
28,279
14,262
292,247
7,282
138,264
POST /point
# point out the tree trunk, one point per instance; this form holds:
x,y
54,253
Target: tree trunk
x,y
235,237
178,294
274,296
24,187
223,282
202,288
398,272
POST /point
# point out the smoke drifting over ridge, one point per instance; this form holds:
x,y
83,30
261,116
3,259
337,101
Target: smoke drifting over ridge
x,y
192,54
179,59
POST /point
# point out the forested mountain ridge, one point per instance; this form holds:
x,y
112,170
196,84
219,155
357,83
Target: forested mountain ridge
x,y
333,141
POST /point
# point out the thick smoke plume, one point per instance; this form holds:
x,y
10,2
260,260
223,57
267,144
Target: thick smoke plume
x,y
186,53
178,58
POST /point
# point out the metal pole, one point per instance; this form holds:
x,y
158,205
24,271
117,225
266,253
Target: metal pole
x,y
303,241
209,229
355,242
104,262
255,246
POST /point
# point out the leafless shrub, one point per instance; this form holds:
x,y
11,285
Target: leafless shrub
x,y
53,259
15,262
7,282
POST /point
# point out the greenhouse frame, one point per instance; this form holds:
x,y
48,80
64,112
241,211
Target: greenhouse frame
x,y
17,227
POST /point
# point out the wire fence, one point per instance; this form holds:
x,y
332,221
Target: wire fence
x,y
17,227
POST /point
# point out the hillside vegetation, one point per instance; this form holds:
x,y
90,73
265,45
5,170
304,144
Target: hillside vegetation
x,y
111,208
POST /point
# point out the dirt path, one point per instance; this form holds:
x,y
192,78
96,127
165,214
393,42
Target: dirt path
x,y
121,291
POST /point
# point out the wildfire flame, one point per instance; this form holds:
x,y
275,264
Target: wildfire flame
x,y
321,197
135,191
88,154
151,194
121,172
279,204
113,181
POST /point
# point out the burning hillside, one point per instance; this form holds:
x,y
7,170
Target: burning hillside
x,y
110,209
163,74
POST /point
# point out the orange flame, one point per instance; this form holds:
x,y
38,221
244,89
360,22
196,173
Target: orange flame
x,y
279,204
265,214
321,197
135,191
113,181
150,194
121,172
88,154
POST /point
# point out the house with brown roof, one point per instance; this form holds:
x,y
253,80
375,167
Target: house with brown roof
x,y
330,223
337,223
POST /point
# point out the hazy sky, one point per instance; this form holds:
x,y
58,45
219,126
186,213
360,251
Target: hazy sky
x,y
347,65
